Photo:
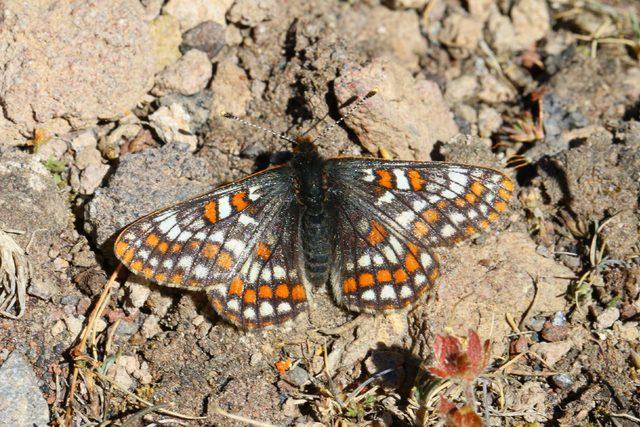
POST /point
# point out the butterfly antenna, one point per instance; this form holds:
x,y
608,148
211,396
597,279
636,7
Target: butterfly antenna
x,y
279,135
354,107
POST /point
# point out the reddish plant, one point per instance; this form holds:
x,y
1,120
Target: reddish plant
x,y
452,361
458,417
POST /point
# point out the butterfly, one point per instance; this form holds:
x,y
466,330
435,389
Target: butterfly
x,y
259,246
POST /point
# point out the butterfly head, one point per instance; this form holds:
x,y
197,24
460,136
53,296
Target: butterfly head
x,y
304,144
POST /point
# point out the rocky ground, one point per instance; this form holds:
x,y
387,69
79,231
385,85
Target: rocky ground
x,y
111,110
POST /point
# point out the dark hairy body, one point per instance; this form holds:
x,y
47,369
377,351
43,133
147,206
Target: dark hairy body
x,y
316,225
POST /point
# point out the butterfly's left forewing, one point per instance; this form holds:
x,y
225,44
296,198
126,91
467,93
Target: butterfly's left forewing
x,y
236,242
393,213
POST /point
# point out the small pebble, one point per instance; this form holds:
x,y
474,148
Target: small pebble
x,y
559,319
607,318
536,324
562,380
297,376
553,333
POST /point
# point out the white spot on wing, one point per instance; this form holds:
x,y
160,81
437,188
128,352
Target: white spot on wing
x,y
284,307
369,295
368,175
245,219
224,208
447,231
278,272
449,194
253,273
217,237
405,292
387,292
387,197
458,178
266,274
233,305
457,217
253,195
200,271
419,205
391,256
175,231
167,263
402,183
266,309
426,260
220,289
249,313
234,245
185,262
378,259
167,224
397,246
419,279
184,236
406,218
364,261
143,253
153,262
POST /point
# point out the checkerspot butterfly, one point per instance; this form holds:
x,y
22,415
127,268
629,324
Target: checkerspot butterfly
x,y
258,246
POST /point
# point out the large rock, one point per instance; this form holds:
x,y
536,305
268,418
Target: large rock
x,y
70,63
406,116
482,284
21,400
144,182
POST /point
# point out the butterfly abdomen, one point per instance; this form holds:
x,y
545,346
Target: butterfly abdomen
x,y
315,225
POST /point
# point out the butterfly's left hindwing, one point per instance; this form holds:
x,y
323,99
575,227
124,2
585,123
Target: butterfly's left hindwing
x,y
390,213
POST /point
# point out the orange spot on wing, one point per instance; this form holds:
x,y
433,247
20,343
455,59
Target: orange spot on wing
x,y
504,194
163,247
121,248
377,233
484,224
176,247
194,244
500,206
431,215
297,293
177,279
442,204
263,251
250,296
415,179
413,248
210,212
400,276
136,265
160,277
470,230
147,272
210,250
477,188
366,279
152,240
411,263
433,275
383,276
460,202
236,286
349,285
128,256
385,178
224,260
239,202
420,229
282,291
508,184
217,305
471,198
493,216
265,292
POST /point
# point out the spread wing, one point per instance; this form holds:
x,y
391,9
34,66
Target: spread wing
x,y
234,242
390,213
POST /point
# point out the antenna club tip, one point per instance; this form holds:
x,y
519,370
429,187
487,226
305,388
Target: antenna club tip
x,y
225,114
373,91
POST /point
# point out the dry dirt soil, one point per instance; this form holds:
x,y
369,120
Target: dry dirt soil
x,y
112,110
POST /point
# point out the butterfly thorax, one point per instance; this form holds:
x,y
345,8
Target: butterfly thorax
x,y
315,226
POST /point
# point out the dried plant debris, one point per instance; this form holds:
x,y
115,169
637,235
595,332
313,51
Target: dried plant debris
x,y
14,277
